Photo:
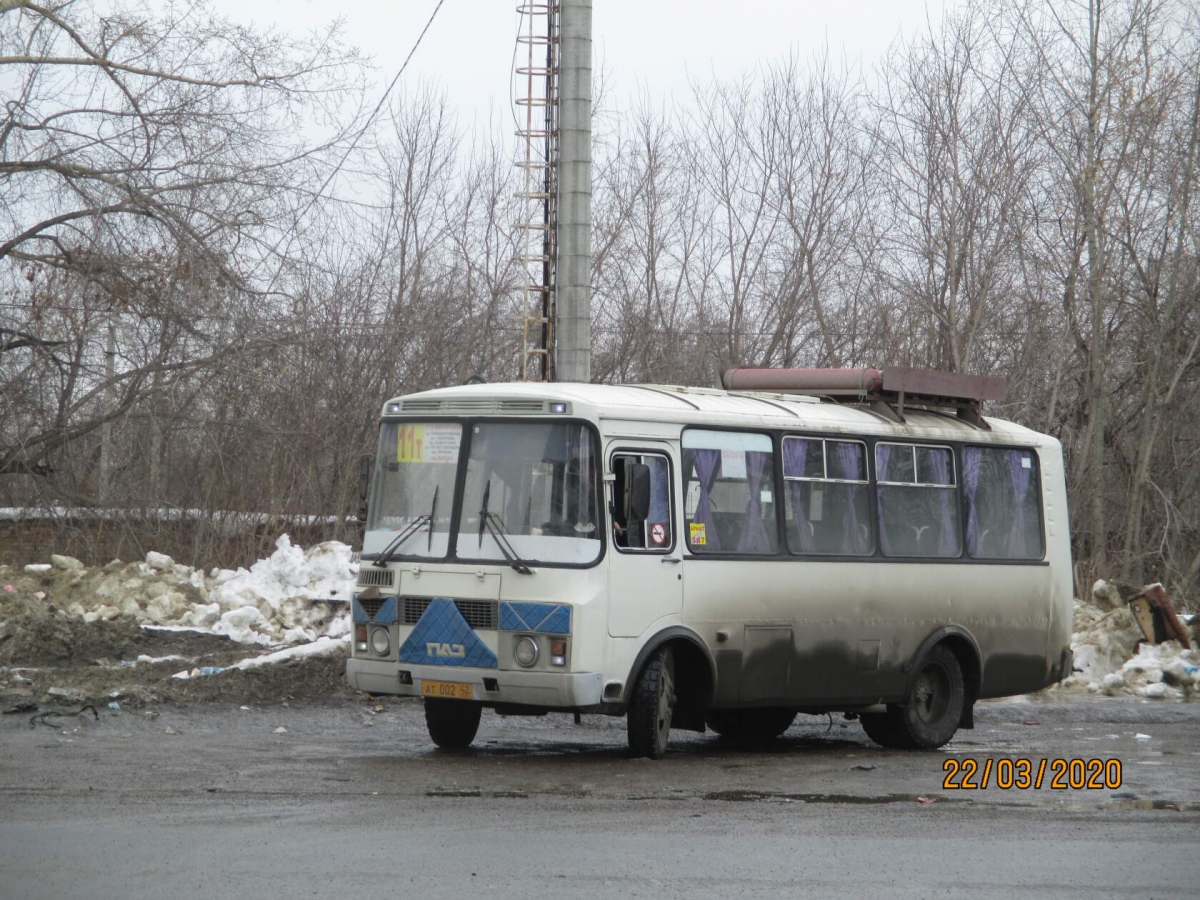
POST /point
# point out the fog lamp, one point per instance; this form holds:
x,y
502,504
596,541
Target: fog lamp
x,y
526,651
381,643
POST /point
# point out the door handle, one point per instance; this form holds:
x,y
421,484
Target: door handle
x,y
672,560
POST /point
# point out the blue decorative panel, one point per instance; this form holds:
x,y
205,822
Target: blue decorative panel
x,y
544,618
385,616
442,637
387,612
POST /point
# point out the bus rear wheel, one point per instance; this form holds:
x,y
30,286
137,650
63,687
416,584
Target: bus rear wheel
x,y
930,715
750,724
648,722
452,724
879,728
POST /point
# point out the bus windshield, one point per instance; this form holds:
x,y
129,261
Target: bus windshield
x,y
413,493
532,484
537,485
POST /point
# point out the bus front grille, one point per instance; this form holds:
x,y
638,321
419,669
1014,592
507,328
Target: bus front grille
x,y
478,613
372,607
376,578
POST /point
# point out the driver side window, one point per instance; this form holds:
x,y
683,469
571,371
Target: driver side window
x,y
641,525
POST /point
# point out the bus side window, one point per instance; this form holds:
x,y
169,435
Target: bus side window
x,y
733,474
918,500
641,509
825,492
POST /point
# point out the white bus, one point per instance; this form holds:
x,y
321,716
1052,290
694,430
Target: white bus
x,y
816,541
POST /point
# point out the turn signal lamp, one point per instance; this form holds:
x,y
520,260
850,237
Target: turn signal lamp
x,y
558,653
360,638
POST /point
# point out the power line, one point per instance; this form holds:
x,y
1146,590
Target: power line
x,y
354,142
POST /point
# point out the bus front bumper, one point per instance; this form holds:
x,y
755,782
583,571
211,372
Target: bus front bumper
x,y
548,690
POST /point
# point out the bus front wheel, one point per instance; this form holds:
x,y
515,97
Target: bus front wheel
x,y
930,715
452,724
648,721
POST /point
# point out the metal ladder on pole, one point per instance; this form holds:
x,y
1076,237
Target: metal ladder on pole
x,y
537,131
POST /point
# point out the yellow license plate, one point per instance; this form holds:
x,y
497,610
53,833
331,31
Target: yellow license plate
x,y
452,690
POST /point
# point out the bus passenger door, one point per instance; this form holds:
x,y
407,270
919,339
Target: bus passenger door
x,y
645,578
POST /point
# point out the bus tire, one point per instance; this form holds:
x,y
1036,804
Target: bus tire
x,y
452,724
750,724
648,722
930,716
880,729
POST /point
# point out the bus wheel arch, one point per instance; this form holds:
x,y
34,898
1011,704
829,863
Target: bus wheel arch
x,y
966,649
939,695
693,674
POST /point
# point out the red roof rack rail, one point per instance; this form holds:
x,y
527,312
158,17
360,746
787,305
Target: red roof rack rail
x,y
887,391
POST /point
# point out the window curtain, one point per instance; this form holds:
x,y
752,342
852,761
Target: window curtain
x,y
948,532
794,454
1019,476
883,453
660,490
754,533
706,462
850,462
972,464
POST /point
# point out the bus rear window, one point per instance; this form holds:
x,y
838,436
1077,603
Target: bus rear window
x,y
1001,487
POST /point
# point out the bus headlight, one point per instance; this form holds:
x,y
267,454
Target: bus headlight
x,y
526,652
381,643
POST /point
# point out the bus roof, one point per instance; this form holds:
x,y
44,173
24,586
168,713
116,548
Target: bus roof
x,y
698,406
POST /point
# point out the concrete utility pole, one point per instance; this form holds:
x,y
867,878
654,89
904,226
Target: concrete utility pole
x,y
573,289
110,355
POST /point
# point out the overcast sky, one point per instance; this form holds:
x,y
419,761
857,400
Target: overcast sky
x,y
644,45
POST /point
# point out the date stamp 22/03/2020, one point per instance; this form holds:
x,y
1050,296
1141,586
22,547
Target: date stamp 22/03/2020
x,y
1023,773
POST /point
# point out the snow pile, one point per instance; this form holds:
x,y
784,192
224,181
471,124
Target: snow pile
x,y
269,604
1158,671
1112,658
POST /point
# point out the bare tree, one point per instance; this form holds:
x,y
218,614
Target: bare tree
x,y
146,165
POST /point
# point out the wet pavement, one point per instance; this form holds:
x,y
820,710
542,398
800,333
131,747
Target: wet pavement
x,y
212,800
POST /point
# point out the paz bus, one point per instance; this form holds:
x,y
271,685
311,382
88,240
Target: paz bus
x,y
800,541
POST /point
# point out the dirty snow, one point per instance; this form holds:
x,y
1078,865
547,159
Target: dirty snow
x,y
270,604
1112,658
293,605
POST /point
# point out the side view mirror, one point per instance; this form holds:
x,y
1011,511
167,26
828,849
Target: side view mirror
x,y
365,464
637,492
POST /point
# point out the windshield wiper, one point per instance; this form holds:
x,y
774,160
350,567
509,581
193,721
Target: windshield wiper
x,y
495,527
409,530
432,513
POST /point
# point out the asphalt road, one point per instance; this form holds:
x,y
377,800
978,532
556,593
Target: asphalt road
x,y
210,802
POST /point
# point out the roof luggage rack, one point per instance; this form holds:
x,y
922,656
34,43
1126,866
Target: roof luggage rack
x,y
887,391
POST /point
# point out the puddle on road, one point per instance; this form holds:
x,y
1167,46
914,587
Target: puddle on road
x,y
753,796
771,796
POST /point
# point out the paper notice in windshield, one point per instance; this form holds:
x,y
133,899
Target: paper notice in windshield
x,y
428,443
733,463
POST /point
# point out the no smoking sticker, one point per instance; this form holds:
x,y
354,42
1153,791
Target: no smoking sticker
x,y
658,533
